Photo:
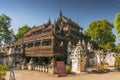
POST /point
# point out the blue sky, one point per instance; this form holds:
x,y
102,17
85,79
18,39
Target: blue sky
x,y
37,12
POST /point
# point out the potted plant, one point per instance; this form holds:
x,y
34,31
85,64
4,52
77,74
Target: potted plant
x,y
3,70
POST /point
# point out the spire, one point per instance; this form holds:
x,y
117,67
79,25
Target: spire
x,y
49,21
60,13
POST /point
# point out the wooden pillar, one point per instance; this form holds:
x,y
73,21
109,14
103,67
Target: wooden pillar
x,y
52,41
26,45
41,42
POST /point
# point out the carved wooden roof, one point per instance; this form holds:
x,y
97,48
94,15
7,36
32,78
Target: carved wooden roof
x,y
64,24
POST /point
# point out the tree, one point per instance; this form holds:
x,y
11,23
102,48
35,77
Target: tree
x,y
6,34
101,33
117,48
117,23
9,36
21,31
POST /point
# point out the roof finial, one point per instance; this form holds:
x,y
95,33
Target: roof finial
x,y
60,13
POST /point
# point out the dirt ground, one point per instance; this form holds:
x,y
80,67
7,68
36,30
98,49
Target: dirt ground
x,y
35,75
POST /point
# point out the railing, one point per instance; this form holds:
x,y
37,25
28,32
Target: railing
x,y
32,38
39,50
40,68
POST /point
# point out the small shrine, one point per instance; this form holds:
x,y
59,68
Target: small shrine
x,y
110,59
78,57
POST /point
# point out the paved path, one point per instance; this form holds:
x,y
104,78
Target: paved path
x,y
35,75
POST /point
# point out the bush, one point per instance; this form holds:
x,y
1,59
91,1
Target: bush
x,y
68,69
3,71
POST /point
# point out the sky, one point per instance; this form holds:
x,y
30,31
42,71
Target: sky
x,y
37,12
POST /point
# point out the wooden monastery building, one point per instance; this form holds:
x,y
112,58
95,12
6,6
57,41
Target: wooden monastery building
x,y
50,40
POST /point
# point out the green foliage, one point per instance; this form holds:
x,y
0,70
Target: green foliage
x,y
117,48
3,71
21,31
9,36
101,33
6,34
68,69
117,23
